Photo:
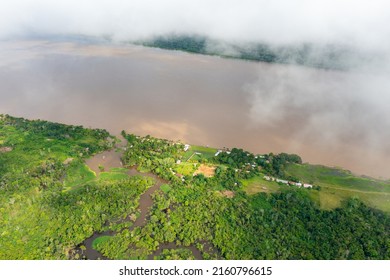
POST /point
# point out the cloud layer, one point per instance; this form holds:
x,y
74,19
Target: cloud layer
x,y
323,106
364,22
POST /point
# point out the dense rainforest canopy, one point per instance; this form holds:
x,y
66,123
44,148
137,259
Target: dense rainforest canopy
x,y
50,202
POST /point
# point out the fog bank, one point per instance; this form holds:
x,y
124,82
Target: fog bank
x,y
363,23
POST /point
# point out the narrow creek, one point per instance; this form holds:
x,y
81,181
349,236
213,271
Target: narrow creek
x,y
112,159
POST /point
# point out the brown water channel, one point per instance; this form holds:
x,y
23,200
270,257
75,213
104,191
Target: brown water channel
x,y
112,159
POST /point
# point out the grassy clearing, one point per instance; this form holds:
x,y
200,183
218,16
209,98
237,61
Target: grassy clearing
x,y
328,198
258,184
332,197
338,185
327,176
119,169
206,153
143,169
165,188
112,176
206,170
185,168
100,240
78,174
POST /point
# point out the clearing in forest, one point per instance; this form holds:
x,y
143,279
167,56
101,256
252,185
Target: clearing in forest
x,y
227,193
206,170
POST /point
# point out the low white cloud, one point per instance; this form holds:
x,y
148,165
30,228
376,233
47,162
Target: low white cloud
x,y
364,22
330,108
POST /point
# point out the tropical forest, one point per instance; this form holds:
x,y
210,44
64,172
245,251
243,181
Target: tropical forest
x,y
69,192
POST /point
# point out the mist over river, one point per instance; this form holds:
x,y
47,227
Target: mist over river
x,y
327,117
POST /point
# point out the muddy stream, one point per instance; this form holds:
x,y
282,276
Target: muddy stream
x,y
112,159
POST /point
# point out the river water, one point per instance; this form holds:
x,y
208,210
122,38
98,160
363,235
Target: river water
x,y
327,117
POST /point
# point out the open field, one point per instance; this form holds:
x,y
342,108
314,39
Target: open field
x,y
336,186
205,152
258,184
112,176
185,168
328,176
206,170
330,198
78,174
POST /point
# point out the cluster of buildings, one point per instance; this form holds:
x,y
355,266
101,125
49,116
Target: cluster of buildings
x,y
297,184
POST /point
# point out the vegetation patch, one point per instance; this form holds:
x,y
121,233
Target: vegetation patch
x,y
307,54
185,168
119,169
165,188
323,175
112,176
98,241
337,185
38,219
78,174
175,254
258,184
197,153
260,220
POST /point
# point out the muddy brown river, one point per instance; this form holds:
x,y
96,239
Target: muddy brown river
x,y
328,117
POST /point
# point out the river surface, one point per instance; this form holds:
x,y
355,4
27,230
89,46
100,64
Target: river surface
x,y
327,117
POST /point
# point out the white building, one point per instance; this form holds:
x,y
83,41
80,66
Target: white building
x,y
282,181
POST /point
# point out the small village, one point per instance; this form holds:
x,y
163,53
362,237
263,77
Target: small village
x,y
290,183
265,177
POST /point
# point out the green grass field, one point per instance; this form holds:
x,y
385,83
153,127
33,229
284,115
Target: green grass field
x,y
78,174
338,185
206,153
165,188
186,168
258,184
327,176
112,176
100,240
